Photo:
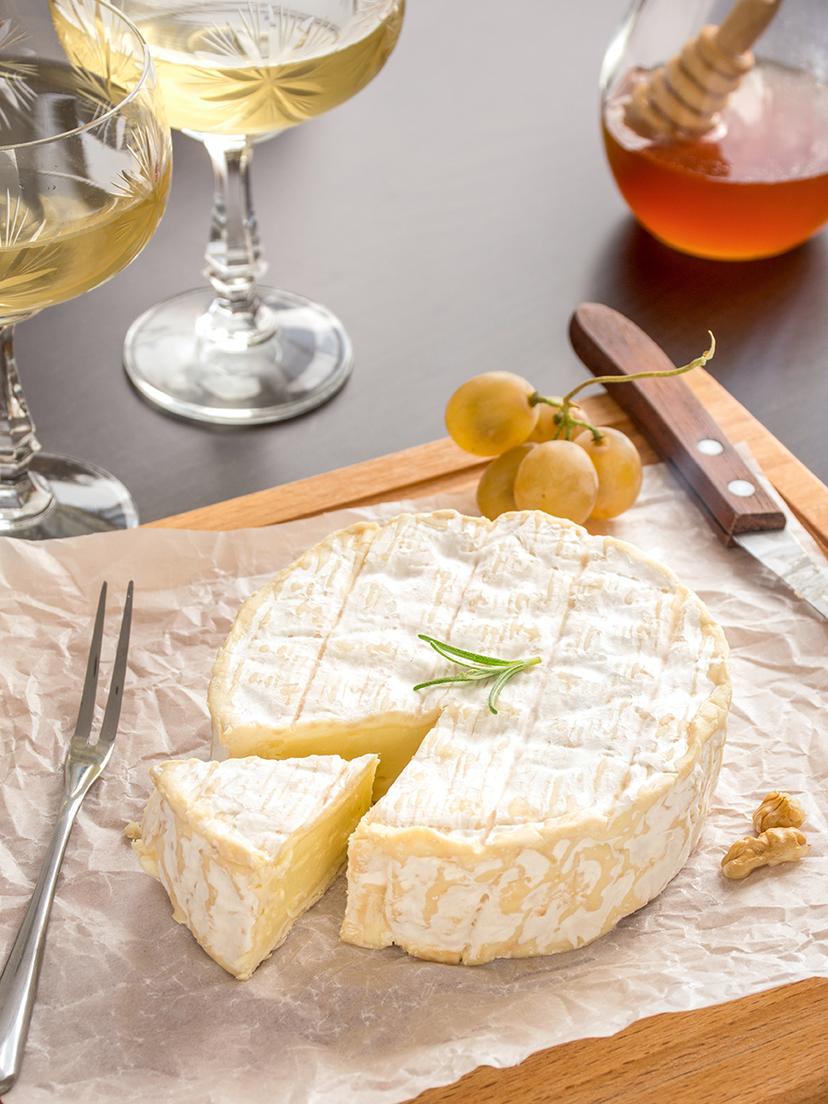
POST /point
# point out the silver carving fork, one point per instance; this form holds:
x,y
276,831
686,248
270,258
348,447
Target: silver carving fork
x,y
85,760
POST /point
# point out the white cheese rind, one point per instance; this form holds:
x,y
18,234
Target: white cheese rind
x,y
526,889
526,833
245,846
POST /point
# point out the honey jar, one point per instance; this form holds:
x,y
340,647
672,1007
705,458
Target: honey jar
x,y
737,171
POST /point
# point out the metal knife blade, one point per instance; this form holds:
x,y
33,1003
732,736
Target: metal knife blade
x,y
780,552
741,507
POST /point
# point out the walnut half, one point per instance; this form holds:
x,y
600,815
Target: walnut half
x,y
778,810
776,845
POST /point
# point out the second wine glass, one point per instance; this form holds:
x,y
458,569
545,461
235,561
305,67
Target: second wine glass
x,y
237,353
84,176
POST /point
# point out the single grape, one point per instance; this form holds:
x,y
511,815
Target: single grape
x,y
496,489
547,428
490,413
559,478
618,464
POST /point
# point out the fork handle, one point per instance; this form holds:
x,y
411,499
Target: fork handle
x,y
18,981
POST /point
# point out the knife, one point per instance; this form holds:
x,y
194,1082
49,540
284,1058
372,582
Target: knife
x,y
682,431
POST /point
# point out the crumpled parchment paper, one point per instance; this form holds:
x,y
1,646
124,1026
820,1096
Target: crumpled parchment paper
x,y
131,1010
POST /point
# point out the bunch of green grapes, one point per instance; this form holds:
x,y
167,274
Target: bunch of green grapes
x,y
549,456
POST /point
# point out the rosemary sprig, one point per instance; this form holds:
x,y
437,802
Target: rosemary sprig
x,y
478,668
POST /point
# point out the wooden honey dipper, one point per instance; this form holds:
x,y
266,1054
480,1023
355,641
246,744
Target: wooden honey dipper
x,y
683,97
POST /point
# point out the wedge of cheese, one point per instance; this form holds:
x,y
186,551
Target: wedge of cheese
x,y
244,847
524,833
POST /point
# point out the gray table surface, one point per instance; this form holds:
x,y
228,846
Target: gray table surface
x,y
452,214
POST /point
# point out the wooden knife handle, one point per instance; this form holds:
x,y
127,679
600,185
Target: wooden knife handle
x,y
673,420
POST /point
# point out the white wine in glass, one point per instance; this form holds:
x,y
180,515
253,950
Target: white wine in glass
x,y
84,176
266,69
65,232
238,353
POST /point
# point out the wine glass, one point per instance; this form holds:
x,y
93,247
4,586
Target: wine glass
x,y
756,183
232,74
84,176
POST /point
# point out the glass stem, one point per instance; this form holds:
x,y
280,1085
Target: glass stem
x,y
234,255
22,495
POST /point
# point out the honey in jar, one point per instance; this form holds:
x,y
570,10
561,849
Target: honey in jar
x,y
755,185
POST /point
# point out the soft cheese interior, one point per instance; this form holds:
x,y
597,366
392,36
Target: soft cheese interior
x,y
245,846
524,833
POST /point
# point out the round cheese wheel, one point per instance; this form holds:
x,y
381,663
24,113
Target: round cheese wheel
x,y
527,832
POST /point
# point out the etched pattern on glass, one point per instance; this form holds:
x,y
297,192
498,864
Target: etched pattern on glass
x,y
258,67
99,51
267,33
16,93
29,263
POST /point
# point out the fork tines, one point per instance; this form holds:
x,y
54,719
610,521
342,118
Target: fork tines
x,y
109,726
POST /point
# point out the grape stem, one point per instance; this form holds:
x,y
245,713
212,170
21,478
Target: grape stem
x,y
699,362
597,435
565,421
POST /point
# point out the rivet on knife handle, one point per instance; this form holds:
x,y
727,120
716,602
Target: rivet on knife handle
x,y
673,420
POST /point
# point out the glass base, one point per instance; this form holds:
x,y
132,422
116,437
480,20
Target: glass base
x,y
187,359
84,499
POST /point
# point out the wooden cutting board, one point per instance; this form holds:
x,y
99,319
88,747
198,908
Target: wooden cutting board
x,y
441,466
771,1048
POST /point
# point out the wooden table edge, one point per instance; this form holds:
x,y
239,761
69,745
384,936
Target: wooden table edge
x,y
768,1048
